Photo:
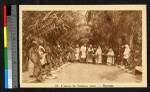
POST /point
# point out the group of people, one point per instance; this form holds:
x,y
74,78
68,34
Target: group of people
x,y
45,59
97,55
92,54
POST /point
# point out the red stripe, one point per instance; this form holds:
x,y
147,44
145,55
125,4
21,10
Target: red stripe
x,y
5,15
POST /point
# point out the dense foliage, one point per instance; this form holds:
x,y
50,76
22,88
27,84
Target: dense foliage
x,y
116,28
68,28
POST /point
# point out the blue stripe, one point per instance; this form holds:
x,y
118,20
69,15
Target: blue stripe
x,y
6,78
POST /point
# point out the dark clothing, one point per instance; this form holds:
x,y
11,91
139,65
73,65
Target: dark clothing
x,y
104,56
104,59
122,49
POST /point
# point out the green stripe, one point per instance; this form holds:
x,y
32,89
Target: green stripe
x,y
5,58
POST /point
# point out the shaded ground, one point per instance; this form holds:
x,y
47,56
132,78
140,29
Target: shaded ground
x,y
88,73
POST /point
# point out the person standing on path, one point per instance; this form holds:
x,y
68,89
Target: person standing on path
x,y
110,57
98,55
90,54
77,53
104,55
83,53
94,54
126,55
35,57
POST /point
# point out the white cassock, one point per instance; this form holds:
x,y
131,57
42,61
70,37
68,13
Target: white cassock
x,y
99,56
77,53
83,52
110,57
43,60
126,53
42,54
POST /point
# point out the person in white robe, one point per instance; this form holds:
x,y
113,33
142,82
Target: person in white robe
x,y
42,54
77,53
126,54
43,60
83,53
110,57
98,55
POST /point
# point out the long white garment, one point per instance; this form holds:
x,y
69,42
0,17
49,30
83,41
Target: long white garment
x,y
43,59
77,53
83,52
126,53
110,57
99,56
41,49
42,54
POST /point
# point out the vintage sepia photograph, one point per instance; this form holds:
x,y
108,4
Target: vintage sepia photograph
x,y
82,46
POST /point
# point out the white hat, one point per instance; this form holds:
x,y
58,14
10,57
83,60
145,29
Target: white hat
x,y
35,42
126,45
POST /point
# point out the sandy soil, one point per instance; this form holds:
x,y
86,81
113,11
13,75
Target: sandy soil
x,y
87,73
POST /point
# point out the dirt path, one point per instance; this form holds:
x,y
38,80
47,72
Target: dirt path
x,y
89,73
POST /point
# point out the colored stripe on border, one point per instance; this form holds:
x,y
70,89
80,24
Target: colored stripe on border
x,y
6,78
5,47
5,58
5,37
5,15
